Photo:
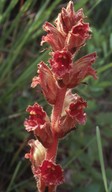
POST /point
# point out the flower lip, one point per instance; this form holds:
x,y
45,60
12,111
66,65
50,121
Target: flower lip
x,y
61,62
51,173
76,108
39,123
33,110
81,29
62,57
79,71
37,117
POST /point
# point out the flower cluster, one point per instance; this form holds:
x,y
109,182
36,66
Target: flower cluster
x,y
66,37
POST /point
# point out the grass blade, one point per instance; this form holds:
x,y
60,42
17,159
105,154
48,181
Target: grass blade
x,y
101,158
14,176
104,68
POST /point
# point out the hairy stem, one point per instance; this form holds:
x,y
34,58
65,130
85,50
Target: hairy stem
x,y
56,112
52,151
57,109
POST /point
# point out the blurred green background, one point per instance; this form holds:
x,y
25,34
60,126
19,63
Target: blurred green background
x,y
86,154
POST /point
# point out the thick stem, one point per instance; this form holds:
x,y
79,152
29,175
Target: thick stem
x,y
57,109
52,151
56,112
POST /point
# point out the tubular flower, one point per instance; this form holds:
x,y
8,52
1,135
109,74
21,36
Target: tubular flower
x,y
77,36
47,82
51,173
69,32
66,37
54,37
37,117
72,114
39,123
76,112
68,18
80,69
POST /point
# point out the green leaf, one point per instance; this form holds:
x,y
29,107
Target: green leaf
x,y
101,158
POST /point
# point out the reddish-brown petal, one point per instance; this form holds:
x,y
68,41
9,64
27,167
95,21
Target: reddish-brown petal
x,y
63,23
39,123
69,32
79,15
50,173
72,114
76,111
47,82
44,135
68,18
61,63
77,36
31,124
37,117
54,37
36,109
81,69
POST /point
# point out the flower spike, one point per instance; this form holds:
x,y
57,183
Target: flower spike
x,y
57,79
69,30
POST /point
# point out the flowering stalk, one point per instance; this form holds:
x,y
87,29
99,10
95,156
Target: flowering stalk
x,y
66,37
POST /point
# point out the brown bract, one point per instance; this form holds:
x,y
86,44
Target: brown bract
x,y
47,82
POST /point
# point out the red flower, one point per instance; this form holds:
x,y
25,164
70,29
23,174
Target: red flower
x,y
76,112
37,153
36,118
39,123
68,18
61,63
47,82
54,37
50,173
77,36
80,69
72,114
69,32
